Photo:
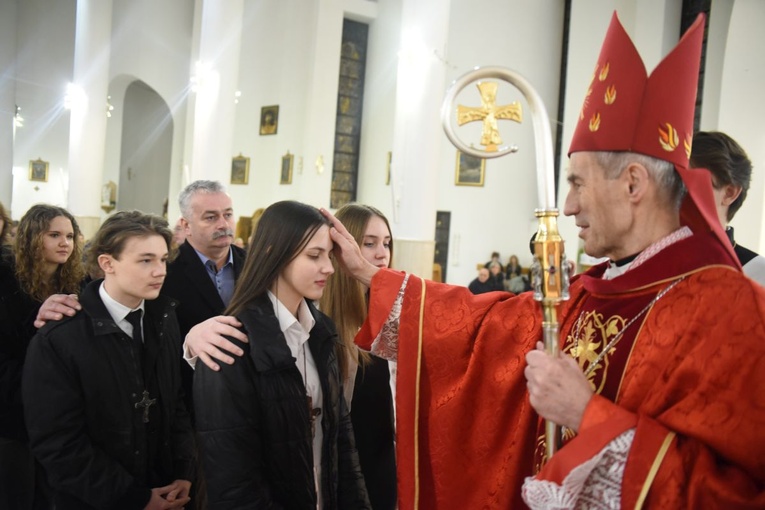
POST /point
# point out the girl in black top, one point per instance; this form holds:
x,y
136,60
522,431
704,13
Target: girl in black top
x,y
46,261
274,428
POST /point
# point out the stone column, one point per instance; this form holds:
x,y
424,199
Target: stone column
x,y
418,137
7,99
215,74
87,125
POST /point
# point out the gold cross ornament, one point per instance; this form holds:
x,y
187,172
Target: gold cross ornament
x,y
489,113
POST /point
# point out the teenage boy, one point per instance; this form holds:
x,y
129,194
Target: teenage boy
x,y
102,390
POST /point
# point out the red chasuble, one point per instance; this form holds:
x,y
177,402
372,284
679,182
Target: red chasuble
x,y
688,374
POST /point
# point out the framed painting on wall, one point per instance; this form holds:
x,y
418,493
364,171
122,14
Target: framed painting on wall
x,y
287,161
470,170
269,120
240,170
38,170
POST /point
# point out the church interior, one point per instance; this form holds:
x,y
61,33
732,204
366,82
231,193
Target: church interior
x,y
118,104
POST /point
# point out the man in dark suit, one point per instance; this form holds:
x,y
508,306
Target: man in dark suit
x,y
203,275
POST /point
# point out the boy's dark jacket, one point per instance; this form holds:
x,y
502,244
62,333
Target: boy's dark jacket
x,y
82,378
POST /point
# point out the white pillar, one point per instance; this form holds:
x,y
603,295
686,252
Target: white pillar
x,y
418,137
216,74
87,125
7,99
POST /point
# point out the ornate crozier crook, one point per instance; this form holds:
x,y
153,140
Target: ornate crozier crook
x,y
550,271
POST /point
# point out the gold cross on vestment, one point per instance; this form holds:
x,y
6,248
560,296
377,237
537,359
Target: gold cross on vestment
x,y
489,113
146,403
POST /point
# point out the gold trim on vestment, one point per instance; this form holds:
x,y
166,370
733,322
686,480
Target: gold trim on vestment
x,y
675,277
417,402
654,469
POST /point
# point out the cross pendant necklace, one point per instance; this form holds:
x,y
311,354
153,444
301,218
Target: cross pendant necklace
x,y
146,403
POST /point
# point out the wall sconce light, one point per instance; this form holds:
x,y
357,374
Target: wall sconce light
x,y
237,95
109,107
108,196
18,120
320,164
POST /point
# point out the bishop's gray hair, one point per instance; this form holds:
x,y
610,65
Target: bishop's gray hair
x,y
200,186
661,171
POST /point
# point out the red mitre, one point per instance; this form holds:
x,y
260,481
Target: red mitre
x,y
627,110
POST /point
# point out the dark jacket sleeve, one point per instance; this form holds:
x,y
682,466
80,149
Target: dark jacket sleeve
x,y
352,492
228,424
181,432
55,416
17,314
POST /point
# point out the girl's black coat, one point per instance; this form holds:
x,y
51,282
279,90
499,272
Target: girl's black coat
x,y
17,315
255,432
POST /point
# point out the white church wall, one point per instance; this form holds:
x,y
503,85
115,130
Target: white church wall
x,y
379,108
44,63
741,110
320,100
277,55
151,42
525,37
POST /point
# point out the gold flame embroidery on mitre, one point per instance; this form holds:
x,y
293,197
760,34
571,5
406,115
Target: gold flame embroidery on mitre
x,y
595,122
687,145
610,95
668,138
604,72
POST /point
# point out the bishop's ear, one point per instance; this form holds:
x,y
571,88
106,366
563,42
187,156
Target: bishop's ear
x,y
637,180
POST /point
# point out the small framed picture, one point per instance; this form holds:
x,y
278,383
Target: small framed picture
x,y
387,169
470,170
38,170
269,120
240,170
287,161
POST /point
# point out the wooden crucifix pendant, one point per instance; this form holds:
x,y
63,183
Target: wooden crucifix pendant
x,y
313,412
146,403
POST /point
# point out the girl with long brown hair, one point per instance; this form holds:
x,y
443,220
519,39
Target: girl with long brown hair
x,y
274,428
366,378
47,261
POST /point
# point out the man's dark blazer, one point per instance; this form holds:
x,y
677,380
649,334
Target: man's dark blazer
x,y
188,282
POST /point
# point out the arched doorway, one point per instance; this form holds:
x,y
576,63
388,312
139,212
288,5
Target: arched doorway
x,y
146,149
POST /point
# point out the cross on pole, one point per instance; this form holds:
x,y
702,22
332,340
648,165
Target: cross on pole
x,y
146,403
489,113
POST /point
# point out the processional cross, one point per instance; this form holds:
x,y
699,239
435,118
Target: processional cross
x,y
146,403
550,269
489,113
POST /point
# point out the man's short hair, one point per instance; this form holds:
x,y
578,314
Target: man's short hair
x,y
200,186
663,172
726,160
